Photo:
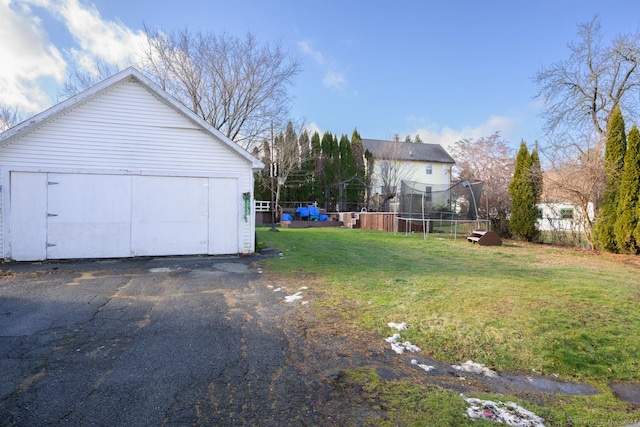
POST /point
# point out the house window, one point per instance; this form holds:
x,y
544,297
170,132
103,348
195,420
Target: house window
x,y
429,169
539,213
427,194
566,213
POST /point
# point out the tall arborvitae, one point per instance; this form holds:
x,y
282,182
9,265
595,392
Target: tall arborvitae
x,y
318,168
616,147
345,158
358,188
307,176
523,198
629,197
327,166
536,174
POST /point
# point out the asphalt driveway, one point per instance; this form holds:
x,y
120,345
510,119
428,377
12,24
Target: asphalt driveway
x,y
147,342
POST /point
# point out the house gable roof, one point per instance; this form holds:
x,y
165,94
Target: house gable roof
x,y
130,73
416,151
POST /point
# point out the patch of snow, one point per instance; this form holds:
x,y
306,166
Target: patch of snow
x,y
292,298
399,326
397,348
427,368
305,302
303,288
270,286
401,347
412,348
507,413
393,339
282,289
161,270
476,368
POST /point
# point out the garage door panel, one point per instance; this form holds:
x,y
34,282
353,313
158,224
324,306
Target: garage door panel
x,y
223,216
169,215
28,218
88,216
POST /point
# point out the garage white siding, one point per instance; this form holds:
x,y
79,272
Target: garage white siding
x,y
133,171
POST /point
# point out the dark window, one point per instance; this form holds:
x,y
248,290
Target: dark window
x,y
427,194
566,213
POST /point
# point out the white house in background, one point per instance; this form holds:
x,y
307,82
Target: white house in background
x,y
120,170
557,213
564,217
424,167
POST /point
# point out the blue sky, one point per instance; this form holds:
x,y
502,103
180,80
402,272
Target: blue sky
x,y
443,69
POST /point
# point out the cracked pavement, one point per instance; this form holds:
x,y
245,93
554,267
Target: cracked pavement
x,y
138,342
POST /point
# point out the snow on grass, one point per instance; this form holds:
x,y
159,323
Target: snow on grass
x,y
292,298
401,347
399,326
426,368
508,413
476,368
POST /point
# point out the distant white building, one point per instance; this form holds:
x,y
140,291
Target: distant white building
x,y
562,216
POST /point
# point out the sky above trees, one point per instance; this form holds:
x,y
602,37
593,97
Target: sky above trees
x,y
442,70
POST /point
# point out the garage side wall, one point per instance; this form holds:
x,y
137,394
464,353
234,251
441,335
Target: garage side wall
x,y
126,130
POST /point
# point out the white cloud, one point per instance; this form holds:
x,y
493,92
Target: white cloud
x,y
31,61
447,136
109,41
305,48
28,57
333,77
312,127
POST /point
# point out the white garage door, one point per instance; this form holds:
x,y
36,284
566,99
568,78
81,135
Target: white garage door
x,y
89,215
57,216
170,215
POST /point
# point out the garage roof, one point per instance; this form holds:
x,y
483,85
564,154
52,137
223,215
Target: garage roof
x,y
130,73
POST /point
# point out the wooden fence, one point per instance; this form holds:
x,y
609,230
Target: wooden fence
x,y
376,221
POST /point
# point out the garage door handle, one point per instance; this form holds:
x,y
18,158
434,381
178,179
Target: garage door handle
x,y
50,214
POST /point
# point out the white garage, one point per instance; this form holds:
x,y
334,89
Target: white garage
x,y
123,170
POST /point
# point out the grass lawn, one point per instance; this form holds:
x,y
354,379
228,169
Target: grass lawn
x,y
518,308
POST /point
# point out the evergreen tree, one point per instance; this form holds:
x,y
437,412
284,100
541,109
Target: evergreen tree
x,y
536,175
327,165
358,188
628,197
318,168
616,147
523,204
307,175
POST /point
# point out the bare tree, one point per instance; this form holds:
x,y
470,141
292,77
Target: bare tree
x,y
490,160
9,117
580,92
78,79
579,181
390,167
579,95
285,155
237,85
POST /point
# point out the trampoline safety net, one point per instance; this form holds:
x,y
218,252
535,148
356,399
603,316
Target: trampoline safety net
x,y
458,201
